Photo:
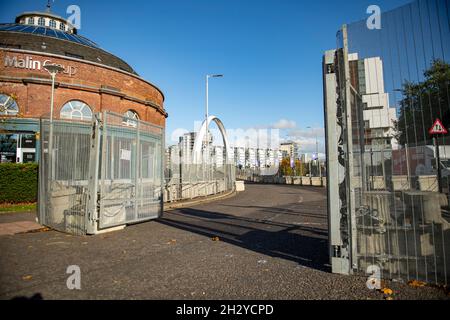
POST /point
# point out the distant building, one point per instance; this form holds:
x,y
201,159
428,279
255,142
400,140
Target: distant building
x,y
172,156
271,159
231,156
306,158
239,157
218,156
289,150
186,146
261,158
279,156
251,158
367,78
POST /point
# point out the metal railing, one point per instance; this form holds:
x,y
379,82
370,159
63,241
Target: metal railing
x,y
190,181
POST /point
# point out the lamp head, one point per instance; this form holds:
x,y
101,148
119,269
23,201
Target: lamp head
x,y
53,68
215,76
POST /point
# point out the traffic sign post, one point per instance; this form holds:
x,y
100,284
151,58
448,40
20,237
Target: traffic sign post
x,y
438,164
436,130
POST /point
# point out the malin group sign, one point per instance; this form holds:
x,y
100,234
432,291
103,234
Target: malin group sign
x,y
438,128
29,63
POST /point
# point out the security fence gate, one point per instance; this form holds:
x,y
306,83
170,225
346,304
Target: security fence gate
x,y
100,174
388,189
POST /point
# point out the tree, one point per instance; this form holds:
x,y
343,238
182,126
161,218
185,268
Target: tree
x,y
422,104
285,167
287,170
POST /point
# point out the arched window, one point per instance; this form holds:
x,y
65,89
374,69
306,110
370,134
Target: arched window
x,y
62,27
41,22
76,110
129,118
8,106
52,24
31,20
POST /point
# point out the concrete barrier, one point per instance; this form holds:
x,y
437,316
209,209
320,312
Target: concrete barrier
x,y
289,180
316,182
240,186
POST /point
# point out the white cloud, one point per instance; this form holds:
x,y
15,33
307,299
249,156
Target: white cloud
x,y
306,138
176,134
284,124
307,133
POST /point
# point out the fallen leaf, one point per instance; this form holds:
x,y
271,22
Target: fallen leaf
x,y
45,229
416,284
387,291
27,278
215,239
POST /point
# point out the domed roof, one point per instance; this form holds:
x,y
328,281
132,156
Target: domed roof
x,y
33,36
49,32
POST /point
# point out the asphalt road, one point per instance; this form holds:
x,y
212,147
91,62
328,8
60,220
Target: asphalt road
x,y
272,244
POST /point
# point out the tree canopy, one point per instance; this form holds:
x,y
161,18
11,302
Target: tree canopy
x,y
422,104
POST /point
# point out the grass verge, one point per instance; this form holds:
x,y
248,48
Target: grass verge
x,y
20,207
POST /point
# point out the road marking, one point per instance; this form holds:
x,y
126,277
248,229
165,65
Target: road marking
x,y
308,224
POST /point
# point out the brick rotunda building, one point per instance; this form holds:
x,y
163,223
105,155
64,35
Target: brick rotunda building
x,y
93,80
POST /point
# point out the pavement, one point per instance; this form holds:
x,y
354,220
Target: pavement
x,y
14,223
269,242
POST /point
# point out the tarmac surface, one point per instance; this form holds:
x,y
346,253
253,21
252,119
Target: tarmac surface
x,y
269,242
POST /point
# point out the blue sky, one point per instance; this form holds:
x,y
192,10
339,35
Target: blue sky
x,y
269,51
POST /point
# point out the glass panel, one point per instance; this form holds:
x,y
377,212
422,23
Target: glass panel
x,y
399,186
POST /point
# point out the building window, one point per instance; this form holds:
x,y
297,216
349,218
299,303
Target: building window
x,y
76,110
373,107
74,55
130,118
52,24
8,106
41,22
11,46
62,27
31,20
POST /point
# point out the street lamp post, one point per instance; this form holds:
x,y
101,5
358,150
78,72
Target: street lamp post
x,y
317,151
53,69
207,112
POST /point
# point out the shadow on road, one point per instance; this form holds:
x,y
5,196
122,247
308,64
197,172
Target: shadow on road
x,y
303,244
36,297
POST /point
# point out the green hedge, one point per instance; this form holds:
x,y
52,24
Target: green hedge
x,y
18,182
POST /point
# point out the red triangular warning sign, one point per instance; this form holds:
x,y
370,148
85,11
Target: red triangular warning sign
x,y
438,128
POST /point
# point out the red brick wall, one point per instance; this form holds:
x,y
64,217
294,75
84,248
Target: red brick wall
x,y
33,97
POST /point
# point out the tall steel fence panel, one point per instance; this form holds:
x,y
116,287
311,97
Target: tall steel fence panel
x,y
64,174
185,180
131,171
386,85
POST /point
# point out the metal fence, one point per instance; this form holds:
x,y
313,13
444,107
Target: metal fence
x,y
385,86
101,174
190,181
64,175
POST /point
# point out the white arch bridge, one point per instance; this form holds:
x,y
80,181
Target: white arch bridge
x,y
198,144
